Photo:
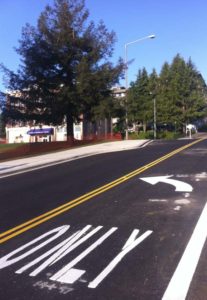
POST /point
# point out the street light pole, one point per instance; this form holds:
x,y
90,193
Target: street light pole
x,y
152,36
155,119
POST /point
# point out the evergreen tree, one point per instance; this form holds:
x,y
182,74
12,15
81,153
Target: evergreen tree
x,y
140,105
197,102
188,91
65,69
2,121
166,106
179,90
2,126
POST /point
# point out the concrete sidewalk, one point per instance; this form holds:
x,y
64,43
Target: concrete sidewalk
x,y
36,162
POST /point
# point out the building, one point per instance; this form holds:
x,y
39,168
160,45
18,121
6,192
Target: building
x,y
31,134
118,92
28,132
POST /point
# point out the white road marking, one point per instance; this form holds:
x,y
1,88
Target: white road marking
x,y
68,274
71,245
58,249
5,261
39,167
71,276
131,239
73,155
180,186
158,200
178,207
65,269
131,243
182,201
180,282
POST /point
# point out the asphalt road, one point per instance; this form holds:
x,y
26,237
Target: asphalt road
x,y
98,228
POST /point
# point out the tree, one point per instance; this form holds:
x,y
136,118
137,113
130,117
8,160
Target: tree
x,y
65,70
180,92
140,106
166,105
188,91
2,123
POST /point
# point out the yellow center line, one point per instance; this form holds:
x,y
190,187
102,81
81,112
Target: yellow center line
x,y
69,205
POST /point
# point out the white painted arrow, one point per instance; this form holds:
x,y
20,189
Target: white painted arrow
x,y
180,186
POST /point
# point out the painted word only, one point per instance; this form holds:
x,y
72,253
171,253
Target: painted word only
x,y
68,274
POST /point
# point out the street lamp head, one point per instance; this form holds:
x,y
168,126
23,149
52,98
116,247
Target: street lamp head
x,y
152,36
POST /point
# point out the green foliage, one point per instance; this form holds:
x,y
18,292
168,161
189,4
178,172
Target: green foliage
x,y
2,119
65,70
179,90
169,135
141,135
2,126
166,135
139,100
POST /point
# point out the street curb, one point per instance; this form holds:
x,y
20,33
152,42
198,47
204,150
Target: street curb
x,y
41,165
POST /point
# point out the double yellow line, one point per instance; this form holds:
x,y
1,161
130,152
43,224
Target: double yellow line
x,y
69,205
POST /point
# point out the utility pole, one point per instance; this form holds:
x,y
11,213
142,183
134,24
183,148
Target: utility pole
x,y
155,119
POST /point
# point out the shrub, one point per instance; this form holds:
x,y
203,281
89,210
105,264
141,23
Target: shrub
x,y
141,135
166,135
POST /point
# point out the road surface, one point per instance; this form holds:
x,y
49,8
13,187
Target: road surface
x,y
122,225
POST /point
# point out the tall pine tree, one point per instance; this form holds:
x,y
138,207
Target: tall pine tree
x,y
140,106
179,90
65,69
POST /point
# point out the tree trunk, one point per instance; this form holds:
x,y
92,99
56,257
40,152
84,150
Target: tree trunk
x,y
70,135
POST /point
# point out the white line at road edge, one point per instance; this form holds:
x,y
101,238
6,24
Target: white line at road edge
x,y
180,282
47,165
62,161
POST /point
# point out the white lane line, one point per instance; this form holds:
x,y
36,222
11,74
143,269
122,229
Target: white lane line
x,y
180,282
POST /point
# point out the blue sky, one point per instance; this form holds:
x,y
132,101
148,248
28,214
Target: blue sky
x,y
180,26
